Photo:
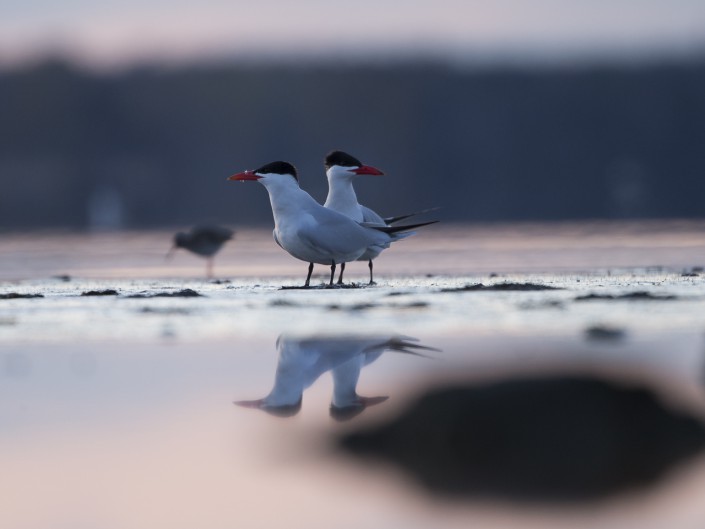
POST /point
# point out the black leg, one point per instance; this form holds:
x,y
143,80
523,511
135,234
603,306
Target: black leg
x,y
308,277
372,282
332,274
340,277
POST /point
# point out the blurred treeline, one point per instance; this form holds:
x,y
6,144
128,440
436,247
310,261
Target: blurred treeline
x,y
153,146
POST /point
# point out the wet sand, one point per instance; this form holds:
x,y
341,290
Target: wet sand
x,y
117,411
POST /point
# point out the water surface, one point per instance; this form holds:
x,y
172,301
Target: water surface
x,y
118,411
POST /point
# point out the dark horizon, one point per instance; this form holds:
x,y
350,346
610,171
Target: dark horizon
x,y
152,146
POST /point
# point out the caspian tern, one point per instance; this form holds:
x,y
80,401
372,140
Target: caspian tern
x,y
302,361
205,241
341,169
311,232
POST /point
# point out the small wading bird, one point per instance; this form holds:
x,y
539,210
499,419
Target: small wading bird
x,y
341,170
205,241
310,232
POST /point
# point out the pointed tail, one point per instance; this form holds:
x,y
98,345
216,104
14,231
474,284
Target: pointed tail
x,y
404,344
392,220
391,230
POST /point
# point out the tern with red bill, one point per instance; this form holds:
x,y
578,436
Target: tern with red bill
x,y
341,169
311,232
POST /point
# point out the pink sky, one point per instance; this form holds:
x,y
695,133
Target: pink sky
x,y
111,32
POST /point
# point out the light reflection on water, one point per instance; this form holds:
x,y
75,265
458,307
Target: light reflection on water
x,y
118,412
142,434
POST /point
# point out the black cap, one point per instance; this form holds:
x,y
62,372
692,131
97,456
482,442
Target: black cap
x,y
278,168
341,158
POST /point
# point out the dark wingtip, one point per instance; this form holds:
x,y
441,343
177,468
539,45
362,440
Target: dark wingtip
x,y
406,227
392,220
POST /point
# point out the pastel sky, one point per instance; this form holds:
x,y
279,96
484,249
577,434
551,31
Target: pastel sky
x,y
108,32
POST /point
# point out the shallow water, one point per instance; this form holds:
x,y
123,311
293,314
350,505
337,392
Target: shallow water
x,y
118,411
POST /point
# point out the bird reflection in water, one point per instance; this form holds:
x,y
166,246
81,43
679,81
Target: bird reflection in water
x,y
303,360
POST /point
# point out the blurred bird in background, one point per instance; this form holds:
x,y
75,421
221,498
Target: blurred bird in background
x,y
206,241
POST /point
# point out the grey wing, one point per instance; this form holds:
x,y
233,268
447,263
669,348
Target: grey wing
x,y
370,217
345,236
213,233
276,240
223,232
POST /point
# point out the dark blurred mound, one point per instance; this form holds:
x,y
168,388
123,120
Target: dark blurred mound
x,y
566,438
